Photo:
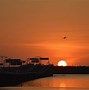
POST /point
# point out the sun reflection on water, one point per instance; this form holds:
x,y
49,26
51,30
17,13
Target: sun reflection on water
x,y
61,81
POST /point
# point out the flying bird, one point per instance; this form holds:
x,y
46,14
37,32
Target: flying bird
x,y
64,37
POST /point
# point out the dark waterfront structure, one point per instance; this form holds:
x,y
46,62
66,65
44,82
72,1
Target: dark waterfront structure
x,y
12,76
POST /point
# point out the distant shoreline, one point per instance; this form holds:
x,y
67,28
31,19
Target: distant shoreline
x,y
71,70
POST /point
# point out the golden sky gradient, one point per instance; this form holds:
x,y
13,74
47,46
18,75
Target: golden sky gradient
x,y
30,28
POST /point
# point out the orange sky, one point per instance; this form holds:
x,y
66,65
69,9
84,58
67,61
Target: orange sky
x,y
30,28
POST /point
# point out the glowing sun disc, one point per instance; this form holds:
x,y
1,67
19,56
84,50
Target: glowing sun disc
x,y
62,63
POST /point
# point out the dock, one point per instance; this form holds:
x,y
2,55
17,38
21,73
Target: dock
x,y
12,76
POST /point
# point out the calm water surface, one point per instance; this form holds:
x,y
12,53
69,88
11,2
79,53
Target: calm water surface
x,y
68,81
57,82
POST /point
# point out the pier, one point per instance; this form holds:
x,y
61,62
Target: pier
x,y
12,76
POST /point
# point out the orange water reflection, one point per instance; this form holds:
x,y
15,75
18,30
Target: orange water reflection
x,y
75,81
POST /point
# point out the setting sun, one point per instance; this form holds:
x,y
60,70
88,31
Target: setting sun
x,y
62,63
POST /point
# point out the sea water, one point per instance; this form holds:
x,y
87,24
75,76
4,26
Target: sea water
x,y
56,82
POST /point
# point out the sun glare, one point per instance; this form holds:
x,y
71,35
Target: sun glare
x,y
62,63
